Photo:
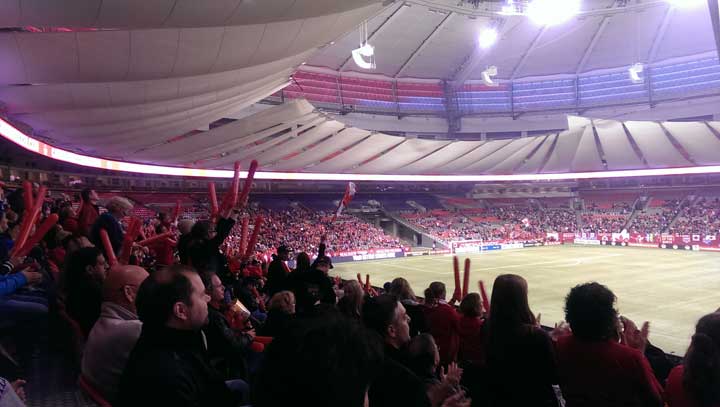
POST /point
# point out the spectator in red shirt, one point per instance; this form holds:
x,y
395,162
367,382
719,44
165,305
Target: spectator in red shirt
x,y
442,321
88,212
696,383
521,366
596,370
470,330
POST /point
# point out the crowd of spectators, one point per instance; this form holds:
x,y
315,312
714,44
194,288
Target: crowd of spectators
x,y
190,332
502,222
702,218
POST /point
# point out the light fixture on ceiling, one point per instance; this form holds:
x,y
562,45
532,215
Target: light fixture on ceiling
x,y
552,12
636,73
686,3
488,74
366,50
487,38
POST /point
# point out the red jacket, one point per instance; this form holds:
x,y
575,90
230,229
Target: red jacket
x,y
443,322
675,393
605,374
471,341
86,218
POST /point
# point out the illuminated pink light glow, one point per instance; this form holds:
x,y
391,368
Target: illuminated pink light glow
x,y
36,146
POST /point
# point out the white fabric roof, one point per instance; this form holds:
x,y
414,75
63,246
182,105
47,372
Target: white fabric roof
x,y
296,137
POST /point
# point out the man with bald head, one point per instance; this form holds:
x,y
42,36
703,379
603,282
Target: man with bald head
x,y
116,331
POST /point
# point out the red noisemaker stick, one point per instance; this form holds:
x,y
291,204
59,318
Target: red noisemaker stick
x,y
31,215
367,282
27,195
253,238
131,234
155,239
236,183
466,278
485,301
248,183
456,272
109,253
359,278
213,200
176,215
41,231
244,235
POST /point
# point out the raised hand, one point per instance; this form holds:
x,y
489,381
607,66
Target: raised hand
x,y
634,337
19,387
32,277
452,375
561,329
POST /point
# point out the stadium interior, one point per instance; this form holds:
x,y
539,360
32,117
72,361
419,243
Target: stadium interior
x,y
269,203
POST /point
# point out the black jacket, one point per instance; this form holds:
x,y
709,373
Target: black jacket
x,y
313,286
205,255
276,323
278,278
114,230
169,367
397,385
226,349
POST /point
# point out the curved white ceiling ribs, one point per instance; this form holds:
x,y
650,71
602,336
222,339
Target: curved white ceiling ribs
x,y
295,137
131,75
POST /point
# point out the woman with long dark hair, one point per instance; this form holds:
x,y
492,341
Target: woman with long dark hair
x,y
520,357
696,383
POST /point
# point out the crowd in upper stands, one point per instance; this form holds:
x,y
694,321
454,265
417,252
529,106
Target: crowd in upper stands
x,y
182,322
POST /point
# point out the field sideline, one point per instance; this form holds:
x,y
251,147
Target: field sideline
x,y
671,289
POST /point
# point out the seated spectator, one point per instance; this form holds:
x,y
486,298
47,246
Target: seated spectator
x,y
21,311
442,321
352,300
424,358
470,330
246,292
280,314
116,331
400,288
117,208
696,383
520,357
323,362
594,369
227,348
396,385
169,364
83,278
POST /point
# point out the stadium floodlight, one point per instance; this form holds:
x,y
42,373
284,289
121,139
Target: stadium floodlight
x,y
686,3
487,38
365,51
552,12
488,74
635,73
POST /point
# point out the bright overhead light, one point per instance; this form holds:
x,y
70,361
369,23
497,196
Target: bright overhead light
x,y
487,38
359,55
635,72
488,74
551,12
686,3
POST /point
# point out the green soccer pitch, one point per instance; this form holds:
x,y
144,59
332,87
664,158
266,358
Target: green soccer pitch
x,y
671,289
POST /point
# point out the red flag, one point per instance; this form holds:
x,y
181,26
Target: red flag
x,y
349,194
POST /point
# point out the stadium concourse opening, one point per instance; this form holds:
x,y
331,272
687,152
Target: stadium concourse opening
x,y
504,203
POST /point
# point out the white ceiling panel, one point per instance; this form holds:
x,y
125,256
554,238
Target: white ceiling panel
x,y
305,161
348,160
154,53
76,13
406,153
457,166
198,50
132,13
103,55
441,157
13,70
656,148
687,34
534,164
619,153
697,139
562,155
48,57
498,156
587,156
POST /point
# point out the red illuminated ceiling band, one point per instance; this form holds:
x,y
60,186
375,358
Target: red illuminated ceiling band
x,y
16,136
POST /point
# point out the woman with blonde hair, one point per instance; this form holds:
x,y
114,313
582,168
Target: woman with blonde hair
x,y
281,312
351,302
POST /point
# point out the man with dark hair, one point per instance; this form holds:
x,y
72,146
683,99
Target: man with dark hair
x,y
169,364
396,385
596,370
278,272
321,362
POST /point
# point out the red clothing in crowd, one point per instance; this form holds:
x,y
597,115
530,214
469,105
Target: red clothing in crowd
x,y
675,393
87,216
605,374
165,252
443,321
470,332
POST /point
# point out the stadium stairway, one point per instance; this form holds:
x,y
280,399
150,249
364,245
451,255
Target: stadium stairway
x,y
414,228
